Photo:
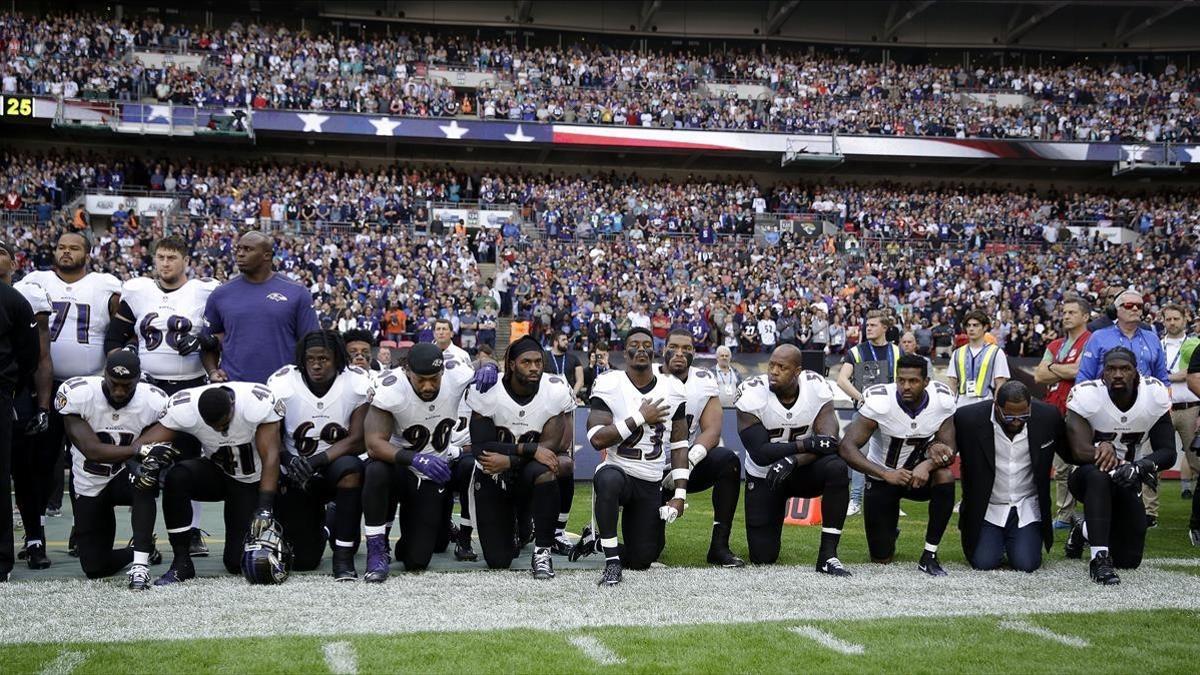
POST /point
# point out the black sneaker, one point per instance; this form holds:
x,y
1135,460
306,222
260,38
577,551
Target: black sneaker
x,y
1194,536
175,576
587,545
723,557
929,565
343,565
139,578
72,548
1186,494
611,575
562,545
1151,522
1074,547
198,548
541,565
464,552
1102,571
35,557
834,568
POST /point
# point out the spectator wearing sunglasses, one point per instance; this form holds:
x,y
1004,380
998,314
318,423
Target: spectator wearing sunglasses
x,y
1127,332
1007,446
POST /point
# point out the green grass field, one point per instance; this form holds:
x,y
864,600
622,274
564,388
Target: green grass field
x,y
782,619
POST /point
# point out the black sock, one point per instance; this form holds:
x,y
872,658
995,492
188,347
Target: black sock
x,y
181,547
347,514
829,545
566,495
724,500
545,513
941,508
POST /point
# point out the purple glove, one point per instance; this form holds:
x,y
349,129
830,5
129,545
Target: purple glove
x,y
485,377
432,467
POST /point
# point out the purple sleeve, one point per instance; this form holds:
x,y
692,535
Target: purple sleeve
x,y
306,316
212,314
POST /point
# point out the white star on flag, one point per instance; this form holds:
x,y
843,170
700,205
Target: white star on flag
x,y
519,137
159,112
312,121
384,126
454,131
1193,153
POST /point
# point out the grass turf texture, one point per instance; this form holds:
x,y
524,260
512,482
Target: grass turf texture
x,y
1158,641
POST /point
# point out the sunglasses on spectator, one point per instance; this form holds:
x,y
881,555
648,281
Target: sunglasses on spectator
x,y
1131,305
1010,419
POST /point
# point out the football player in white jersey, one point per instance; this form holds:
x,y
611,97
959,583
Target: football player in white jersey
x,y
164,317
517,436
32,462
713,467
910,426
635,417
82,303
1118,419
238,427
104,417
326,402
408,431
787,424
460,438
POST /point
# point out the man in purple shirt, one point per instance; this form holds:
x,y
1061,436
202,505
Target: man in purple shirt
x,y
256,317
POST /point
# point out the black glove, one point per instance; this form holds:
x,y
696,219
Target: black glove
x,y
298,470
144,474
819,445
188,344
1132,475
778,474
164,453
1148,472
263,519
38,423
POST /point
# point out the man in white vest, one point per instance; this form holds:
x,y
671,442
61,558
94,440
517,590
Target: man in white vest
x,y
977,369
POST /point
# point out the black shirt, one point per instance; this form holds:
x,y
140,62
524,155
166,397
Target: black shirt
x,y
563,364
19,344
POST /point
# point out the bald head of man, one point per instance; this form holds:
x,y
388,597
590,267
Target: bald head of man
x,y
253,252
783,371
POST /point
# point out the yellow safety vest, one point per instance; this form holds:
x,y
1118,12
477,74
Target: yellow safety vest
x,y
895,351
983,378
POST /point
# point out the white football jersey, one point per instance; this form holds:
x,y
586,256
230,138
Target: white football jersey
x,y
700,387
424,426
783,424
84,396
235,450
311,423
901,439
522,422
161,318
1126,430
643,454
78,321
37,297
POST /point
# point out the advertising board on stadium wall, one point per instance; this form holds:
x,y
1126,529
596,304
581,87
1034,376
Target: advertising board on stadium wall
x,y
105,205
489,218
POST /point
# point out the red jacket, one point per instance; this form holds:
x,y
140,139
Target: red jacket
x,y
1058,392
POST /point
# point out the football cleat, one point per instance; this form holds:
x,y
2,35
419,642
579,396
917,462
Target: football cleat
x,y
854,509
53,512
1101,570
35,557
139,578
1194,535
175,576
463,552
541,565
1185,494
724,558
343,564
155,555
587,545
198,547
378,560
611,575
1073,548
834,567
929,565
562,545
1151,522
72,548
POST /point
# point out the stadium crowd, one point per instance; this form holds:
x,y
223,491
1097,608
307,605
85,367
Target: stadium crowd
x,y
270,66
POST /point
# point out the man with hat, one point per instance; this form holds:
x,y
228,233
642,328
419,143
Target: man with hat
x,y
1112,421
104,417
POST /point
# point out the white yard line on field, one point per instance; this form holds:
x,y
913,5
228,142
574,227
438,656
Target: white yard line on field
x,y
1022,626
595,650
826,640
487,600
64,663
341,658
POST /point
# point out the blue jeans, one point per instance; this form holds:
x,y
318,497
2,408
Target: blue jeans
x,y
857,481
1022,544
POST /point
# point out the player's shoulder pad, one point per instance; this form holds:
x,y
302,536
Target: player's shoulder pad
x,y
157,396
74,397
360,382
564,396
281,383
1085,398
390,392
753,394
704,380
136,285
944,395
607,384
1160,396
108,282
181,411
877,402
258,404
817,386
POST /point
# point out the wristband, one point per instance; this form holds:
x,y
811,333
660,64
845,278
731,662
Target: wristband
x,y
680,493
679,445
527,449
638,420
591,433
266,500
677,474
